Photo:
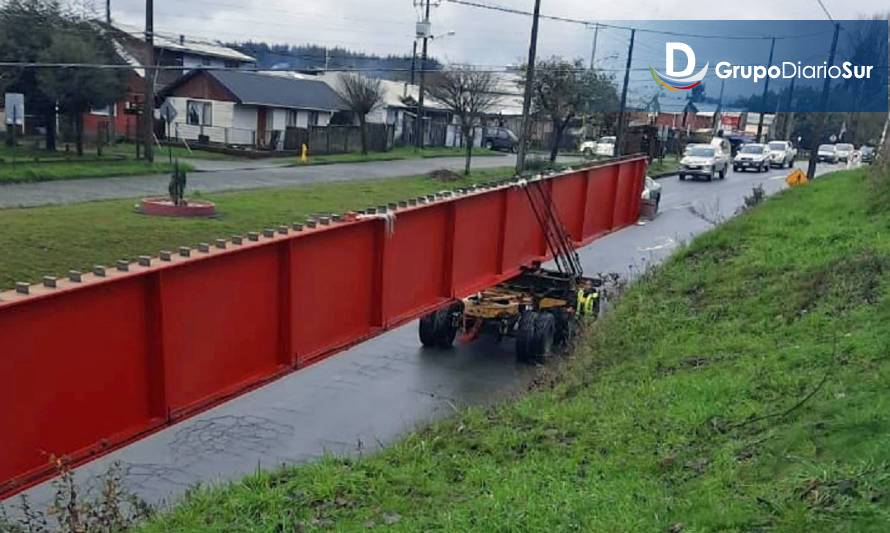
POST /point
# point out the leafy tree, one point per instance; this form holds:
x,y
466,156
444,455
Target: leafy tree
x,y
26,28
79,89
362,95
564,90
468,93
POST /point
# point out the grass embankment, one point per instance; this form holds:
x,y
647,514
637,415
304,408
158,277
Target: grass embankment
x,y
396,154
48,241
667,165
743,386
26,164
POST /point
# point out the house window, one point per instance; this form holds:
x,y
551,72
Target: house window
x,y
198,113
105,111
313,118
291,118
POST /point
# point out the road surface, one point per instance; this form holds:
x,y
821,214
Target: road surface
x,y
372,394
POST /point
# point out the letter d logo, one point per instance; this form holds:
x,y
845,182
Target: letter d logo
x,y
670,51
678,80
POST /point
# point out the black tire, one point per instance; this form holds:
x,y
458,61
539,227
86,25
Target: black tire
x,y
545,333
489,145
735,169
535,337
682,177
566,327
711,175
525,337
438,329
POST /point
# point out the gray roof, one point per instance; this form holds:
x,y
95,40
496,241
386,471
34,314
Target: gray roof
x,y
279,90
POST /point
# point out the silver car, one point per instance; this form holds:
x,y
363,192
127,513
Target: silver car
x,y
703,160
752,157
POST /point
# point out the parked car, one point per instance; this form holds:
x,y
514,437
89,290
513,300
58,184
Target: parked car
x,y
868,154
844,150
704,160
500,139
782,154
604,147
752,157
828,153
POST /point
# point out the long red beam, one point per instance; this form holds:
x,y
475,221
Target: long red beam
x,y
89,365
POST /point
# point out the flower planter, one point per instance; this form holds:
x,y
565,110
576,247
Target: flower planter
x,y
163,207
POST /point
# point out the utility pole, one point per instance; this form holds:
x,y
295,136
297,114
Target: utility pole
x,y
789,122
772,48
418,128
527,97
148,107
108,12
619,137
596,31
413,60
718,115
820,117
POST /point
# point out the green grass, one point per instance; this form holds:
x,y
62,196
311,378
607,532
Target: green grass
x,y
69,170
48,241
670,163
179,152
742,386
396,154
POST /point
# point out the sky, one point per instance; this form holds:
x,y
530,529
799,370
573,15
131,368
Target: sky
x,y
481,37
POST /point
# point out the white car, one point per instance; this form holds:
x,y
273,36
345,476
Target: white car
x,y
604,147
828,153
782,153
752,157
704,160
844,150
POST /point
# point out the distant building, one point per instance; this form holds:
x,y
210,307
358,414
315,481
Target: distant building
x,y
248,108
121,118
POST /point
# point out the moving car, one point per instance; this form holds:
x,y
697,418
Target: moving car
x,y
704,160
752,157
868,154
604,147
500,139
827,152
844,150
782,154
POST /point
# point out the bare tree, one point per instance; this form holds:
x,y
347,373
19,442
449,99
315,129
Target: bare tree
x,y
468,93
362,95
564,90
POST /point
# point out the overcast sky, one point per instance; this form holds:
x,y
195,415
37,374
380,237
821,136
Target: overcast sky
x,y
482,37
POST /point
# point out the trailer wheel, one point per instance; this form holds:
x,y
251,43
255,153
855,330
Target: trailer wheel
x,y
566,327
439,328
535,335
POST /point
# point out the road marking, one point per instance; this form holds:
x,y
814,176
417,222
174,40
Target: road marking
x,y
669,243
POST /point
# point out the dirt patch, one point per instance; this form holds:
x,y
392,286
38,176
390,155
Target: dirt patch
x,y
844,284
445,175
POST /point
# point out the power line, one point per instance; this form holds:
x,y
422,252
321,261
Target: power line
x,y
591,23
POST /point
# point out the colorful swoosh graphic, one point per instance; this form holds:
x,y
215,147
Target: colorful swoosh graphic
x,y
679,84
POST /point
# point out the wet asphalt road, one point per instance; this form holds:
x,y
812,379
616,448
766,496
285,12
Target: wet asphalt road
x,y
374,393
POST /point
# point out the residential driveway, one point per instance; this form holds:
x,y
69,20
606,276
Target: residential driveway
x,y
228,176
372,394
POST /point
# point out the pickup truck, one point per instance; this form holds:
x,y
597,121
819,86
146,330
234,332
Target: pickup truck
x,y
782,154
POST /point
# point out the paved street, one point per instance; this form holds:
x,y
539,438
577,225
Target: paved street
x,y
228,176
374,393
